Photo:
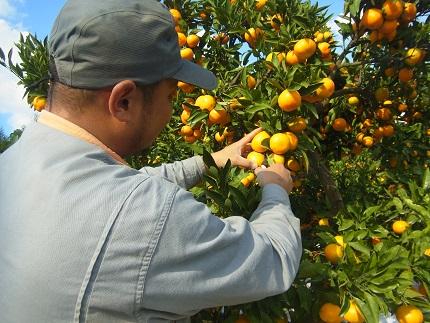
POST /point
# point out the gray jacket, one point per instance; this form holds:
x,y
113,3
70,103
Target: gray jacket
x,y
85,239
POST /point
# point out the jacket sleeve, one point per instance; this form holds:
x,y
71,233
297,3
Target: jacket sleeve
x,y
202,261
186,173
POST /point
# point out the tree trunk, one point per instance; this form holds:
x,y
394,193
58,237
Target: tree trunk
x,y
319,166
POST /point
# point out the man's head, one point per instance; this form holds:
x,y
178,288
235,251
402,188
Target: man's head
x,y
95,44
119,55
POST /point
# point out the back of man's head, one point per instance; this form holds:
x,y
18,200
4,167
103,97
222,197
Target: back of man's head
x,y
96,44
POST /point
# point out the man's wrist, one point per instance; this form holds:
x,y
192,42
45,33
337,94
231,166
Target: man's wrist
x,y
217,159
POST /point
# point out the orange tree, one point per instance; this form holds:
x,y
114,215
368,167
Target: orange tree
x,y
350,119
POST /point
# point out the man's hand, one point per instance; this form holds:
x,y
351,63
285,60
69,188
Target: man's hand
x,y
236,151
275,174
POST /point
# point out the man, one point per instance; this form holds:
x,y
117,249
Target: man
x,y
84,237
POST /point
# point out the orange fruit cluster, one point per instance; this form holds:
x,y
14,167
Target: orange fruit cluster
x,y
222,38
330,313
278,144
187,43
372,130
324,91
226,135
187,132
252,35
383,22
216,115
303,49
190,40
324,40
276,22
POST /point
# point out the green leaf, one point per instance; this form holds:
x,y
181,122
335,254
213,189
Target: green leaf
x,y
371,210
266,143
266,318
294,86
417,208
372,262
311,107
211,180
398,203
360,247
276,84
354,7
9,57
239,197
301,21
382,278
369,308
382,289
344,28
426,180
346,224
309,89
361,234
197,117
216,197
344,304
411,293
310,269
224,175
305,161
208,160
243,77
257,107
305,297
326,237
389,255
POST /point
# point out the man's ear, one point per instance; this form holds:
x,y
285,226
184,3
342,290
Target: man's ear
x,y
120,100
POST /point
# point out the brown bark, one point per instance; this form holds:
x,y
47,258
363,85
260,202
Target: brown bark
x,y
318,165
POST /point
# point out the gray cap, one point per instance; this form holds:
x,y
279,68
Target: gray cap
x,y
96,44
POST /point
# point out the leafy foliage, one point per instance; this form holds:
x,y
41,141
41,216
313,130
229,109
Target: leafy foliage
x,y
7,141
359,180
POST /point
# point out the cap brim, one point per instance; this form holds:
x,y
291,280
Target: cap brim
x,y
196,75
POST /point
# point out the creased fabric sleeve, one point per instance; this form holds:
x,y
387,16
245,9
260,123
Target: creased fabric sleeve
x,y
202,261
186,173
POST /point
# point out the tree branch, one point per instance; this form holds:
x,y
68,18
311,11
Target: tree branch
x,y
333,195
352,90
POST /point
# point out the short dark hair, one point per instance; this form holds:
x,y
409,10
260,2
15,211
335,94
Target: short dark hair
x,y
148,91
70,97
75,98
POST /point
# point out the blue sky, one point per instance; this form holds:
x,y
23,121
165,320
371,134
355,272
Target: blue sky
x,y
37,16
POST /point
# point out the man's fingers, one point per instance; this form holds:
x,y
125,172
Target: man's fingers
x,y
247,138
243,162
246,149
259,170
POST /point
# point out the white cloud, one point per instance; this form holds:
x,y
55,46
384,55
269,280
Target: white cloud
x,y
14,108
6,9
